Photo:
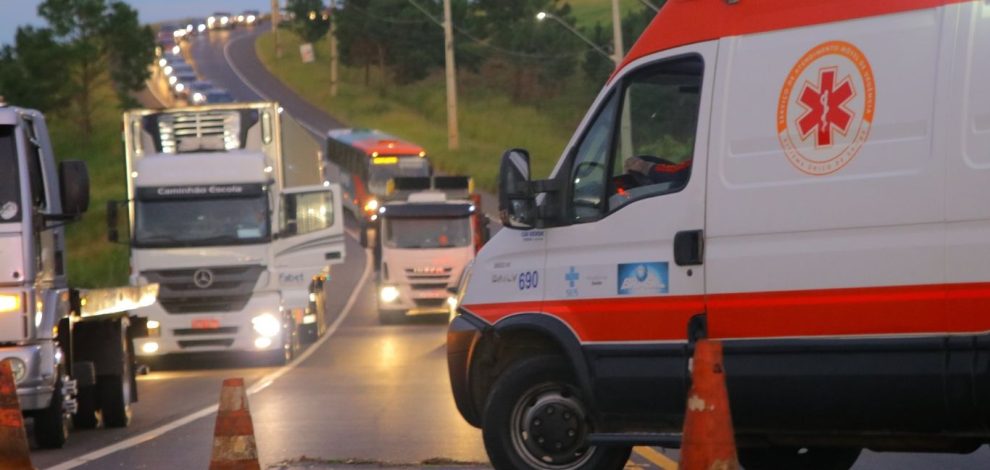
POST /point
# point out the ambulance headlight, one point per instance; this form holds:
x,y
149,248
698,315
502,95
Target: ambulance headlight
x,y
389,294
18,368
266,325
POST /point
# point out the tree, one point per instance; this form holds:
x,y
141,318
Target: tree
x,y
311,22
26,76
103,41
598,68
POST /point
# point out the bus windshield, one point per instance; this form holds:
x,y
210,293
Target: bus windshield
x,y
437,232
396,167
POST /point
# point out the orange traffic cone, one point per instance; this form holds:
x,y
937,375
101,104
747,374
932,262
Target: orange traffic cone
x,y
14,451
709,442
234,447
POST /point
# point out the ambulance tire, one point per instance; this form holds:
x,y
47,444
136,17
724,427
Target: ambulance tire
x,y
531,389
805,458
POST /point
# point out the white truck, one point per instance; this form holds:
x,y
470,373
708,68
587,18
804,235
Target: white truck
x,y
71,350
430,229
231,216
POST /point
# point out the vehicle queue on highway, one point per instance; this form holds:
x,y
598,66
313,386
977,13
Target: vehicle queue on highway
x,y
837,252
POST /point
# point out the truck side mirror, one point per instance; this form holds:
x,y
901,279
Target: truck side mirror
x,y
516,203
74,181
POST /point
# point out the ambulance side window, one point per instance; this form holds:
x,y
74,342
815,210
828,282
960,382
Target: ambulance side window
x,y
657,128
589,171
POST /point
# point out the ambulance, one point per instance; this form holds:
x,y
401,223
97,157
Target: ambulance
x,y
807,182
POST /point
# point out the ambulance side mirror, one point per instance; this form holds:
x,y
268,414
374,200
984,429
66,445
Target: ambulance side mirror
x,y
516,204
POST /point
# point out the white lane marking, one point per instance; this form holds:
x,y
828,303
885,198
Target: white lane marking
x,y
237,71
257,387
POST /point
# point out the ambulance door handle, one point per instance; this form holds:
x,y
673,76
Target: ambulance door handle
x,y
689,247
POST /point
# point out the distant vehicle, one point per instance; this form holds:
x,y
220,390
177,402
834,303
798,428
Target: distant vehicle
x,y
173,65
177,68
363,160
197,91
220,20
183,80
250,17
429,230
219,95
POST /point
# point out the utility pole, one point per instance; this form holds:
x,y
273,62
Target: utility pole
x,y
276,17
453,139
333,48
617,50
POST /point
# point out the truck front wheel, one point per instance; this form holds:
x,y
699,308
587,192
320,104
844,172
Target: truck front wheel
x,y
536,418
805,458
51,425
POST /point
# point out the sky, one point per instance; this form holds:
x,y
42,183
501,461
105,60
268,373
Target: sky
x,y
20,12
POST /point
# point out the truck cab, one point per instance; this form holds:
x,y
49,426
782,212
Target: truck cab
x,y
235,242
429,230
71,362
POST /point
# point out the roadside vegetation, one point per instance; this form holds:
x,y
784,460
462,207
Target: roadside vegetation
x,y
521,83
80,69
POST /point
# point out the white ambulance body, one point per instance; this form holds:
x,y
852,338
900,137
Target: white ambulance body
x,y
808,182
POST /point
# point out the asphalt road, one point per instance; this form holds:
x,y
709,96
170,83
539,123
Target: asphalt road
x,y
366,391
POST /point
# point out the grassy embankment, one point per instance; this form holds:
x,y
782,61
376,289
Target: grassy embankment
x,y
589,12
490,120
92,260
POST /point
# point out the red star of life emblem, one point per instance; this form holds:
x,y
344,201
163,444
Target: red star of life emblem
x,y
825,106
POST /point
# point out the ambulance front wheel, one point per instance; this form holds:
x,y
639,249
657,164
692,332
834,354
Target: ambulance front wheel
x,y
807,458
536,417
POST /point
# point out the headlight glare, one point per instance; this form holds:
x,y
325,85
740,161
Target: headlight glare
x,y
266,325
388,294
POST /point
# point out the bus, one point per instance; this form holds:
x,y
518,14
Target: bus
x,y
363,161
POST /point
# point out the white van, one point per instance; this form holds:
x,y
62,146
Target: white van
x,y
808,182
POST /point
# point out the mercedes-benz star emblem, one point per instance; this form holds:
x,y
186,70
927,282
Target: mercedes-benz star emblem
x,y
203,278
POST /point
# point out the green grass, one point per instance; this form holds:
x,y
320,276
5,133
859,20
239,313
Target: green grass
x,y
589,12
92,260
490,121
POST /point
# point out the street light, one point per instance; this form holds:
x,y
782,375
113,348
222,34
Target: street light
x,y
544,15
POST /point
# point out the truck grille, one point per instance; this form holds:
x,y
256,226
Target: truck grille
x,y
225,330
430,286
428,273
230,288
205,343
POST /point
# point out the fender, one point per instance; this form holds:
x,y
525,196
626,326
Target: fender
x,y
473,336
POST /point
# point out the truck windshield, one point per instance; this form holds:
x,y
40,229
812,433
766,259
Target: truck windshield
x,y
201,222
10,187
440,232
381,172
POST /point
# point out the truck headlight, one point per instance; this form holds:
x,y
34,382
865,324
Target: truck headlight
x,y
371,205
388,294
18,367
151,347
10,303
266,325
